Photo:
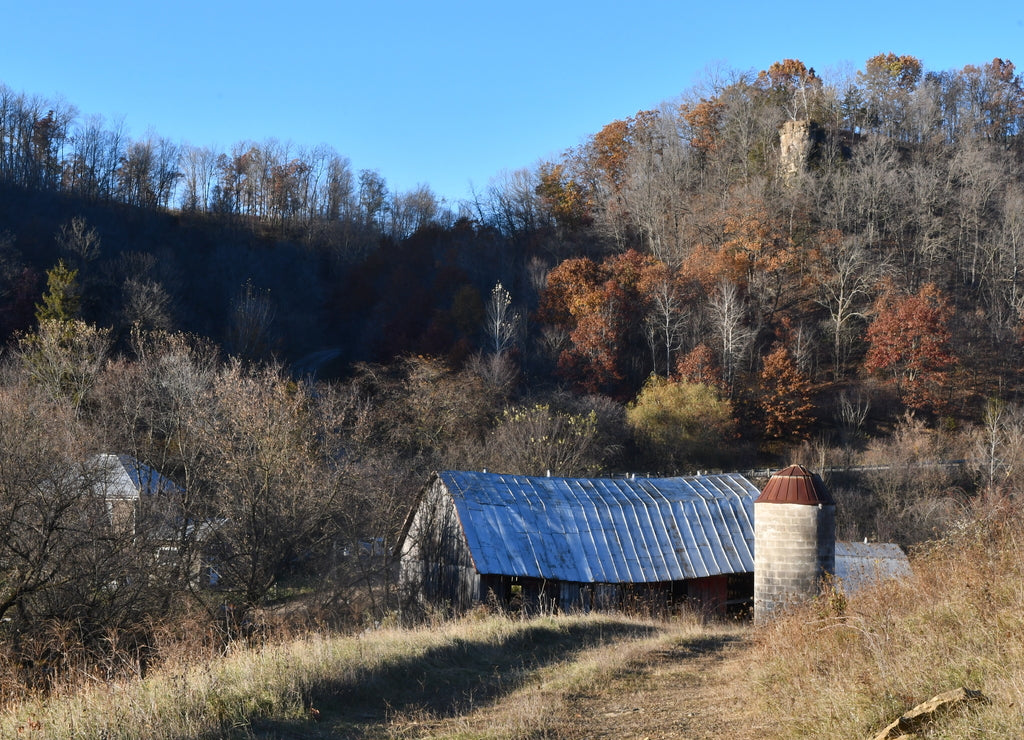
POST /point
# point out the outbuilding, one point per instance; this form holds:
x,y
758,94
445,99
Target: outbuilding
x,y
547,543
580,543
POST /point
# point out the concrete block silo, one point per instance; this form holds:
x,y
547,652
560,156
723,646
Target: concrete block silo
x,y
794,540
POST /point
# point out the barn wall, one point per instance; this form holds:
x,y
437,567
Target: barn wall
x,y
710,594
436,565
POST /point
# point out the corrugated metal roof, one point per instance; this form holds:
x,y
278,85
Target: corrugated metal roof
x,y
608,530
860,564
796,485
124,477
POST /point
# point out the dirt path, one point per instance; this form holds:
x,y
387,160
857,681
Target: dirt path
x,y
668,686
693,689
633,681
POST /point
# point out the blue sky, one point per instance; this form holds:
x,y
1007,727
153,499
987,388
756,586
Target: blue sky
x,y
449,93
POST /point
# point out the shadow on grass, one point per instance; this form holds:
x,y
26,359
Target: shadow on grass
x,y
445,681
696,647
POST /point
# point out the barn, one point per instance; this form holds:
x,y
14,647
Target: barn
x,y
580,543
547,543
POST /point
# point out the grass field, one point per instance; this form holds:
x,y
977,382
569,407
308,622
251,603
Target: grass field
x,y
838,668
478,677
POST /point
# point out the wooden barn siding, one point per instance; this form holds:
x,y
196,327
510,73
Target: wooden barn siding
x,y
436,564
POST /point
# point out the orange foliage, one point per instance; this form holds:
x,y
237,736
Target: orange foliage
x,y
753,244
700,366
563,196
903,70
603,307
787,73
785,400
704,120
611,149
909,345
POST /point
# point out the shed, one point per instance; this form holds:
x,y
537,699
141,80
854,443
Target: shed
x,y
580,543
862,564
139,501
131,490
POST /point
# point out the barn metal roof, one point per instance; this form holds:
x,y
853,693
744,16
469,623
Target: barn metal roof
x,y
612,530
860,564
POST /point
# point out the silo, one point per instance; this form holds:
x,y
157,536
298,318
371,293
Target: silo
x,y
794,539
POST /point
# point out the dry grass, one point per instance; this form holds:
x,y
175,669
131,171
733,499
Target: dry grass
x,y
673,682
838,669
833,669
364,685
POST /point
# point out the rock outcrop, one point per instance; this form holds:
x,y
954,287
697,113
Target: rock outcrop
x,y
795,143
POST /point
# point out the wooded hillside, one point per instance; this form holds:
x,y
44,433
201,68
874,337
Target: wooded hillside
x,y
770,268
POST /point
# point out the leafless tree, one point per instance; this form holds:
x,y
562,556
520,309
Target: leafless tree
x,y
734,337
272,472
850,274
503,321
666,322
199,171
251,317
997,450
44,508
538,439
79,240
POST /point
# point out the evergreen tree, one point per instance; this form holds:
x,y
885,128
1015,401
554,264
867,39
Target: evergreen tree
x,y
62,301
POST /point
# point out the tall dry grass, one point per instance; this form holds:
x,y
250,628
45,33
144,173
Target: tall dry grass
x,y
350,683
846,668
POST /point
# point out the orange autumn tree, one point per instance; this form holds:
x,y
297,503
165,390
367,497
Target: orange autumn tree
x,y
757,255
785,400
704,121
791,85
563,196
909,346
602,306
700,366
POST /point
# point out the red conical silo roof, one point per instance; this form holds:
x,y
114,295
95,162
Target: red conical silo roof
x,y
795,485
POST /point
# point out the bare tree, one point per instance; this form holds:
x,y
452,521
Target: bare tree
x,y
251,317
734,336
272,474
199,171
850,273
44,511
79,240
998,449
502,320
667,320
538,439
412,211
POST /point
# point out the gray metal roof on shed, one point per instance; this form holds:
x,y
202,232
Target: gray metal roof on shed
x,y
860,564
124,477
606,530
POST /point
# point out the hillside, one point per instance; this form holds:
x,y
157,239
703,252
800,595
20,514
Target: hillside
x,y
773,267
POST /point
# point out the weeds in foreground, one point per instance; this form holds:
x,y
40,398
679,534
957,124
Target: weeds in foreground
x,y
319,683
848,670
